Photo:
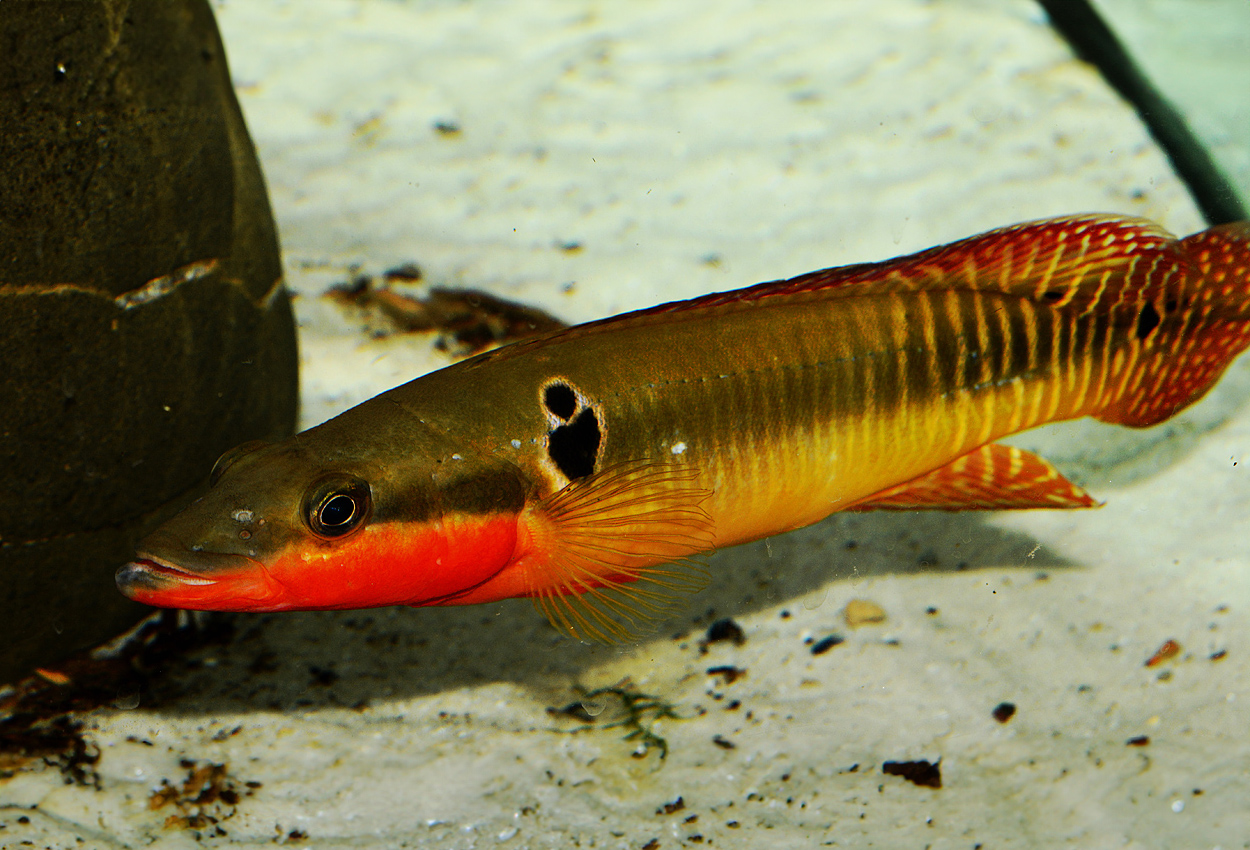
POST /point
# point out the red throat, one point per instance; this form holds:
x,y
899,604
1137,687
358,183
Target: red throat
x,y
395,564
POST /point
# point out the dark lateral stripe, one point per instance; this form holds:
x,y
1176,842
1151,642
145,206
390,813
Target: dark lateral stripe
x,y
975,365
1081,331
890,378
921,377
1022,345
996,351
949,347
1064,346
1107,338
1044,337
864,391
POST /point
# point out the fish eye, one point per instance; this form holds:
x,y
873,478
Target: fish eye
x,y
337,507
229,457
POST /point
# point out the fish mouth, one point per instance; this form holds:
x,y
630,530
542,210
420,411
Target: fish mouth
x,y
151,571
234,583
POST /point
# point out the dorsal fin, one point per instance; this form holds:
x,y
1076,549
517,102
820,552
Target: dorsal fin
x,y
1083,261
1078,260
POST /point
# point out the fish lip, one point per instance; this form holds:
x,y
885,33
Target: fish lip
x,y
155,567
228,583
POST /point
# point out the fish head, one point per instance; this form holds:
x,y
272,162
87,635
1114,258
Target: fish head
x,y
291,526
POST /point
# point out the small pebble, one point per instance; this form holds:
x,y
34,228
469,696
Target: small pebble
x,y
862,612
726,630
924,773
1170,649
825,644
668,808
728,673
408,272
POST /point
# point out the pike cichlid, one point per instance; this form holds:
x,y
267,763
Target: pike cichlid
x,y
579,467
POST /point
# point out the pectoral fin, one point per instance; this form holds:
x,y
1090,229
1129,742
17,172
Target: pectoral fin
x,y
611,548
992,478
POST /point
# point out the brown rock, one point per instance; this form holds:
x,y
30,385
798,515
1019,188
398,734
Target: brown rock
x,y
145,327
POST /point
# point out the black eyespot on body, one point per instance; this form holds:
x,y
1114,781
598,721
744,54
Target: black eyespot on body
x,y
229,458
1147,320
1170,305
560,400
574,447
1052,295
337,506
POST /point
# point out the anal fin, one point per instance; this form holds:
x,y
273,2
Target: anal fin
x,y
992,478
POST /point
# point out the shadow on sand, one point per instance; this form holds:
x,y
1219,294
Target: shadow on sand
x,y
313,660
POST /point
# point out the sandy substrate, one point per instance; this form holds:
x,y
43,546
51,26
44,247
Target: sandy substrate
x,y
593,158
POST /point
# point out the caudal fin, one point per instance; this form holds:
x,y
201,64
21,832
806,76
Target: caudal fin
x,y
1192,319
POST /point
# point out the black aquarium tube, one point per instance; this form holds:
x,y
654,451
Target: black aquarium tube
x,y
1091,38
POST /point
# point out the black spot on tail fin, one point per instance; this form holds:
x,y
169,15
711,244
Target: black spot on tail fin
x,y
1204,284
1147,320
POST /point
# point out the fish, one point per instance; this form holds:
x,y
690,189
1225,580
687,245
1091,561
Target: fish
x,y
589,468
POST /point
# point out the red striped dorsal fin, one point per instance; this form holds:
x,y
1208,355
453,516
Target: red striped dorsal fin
x,y
1078,260
1081,261
992,478
1085,262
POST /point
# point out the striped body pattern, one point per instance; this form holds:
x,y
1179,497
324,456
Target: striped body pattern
x,y
577,467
